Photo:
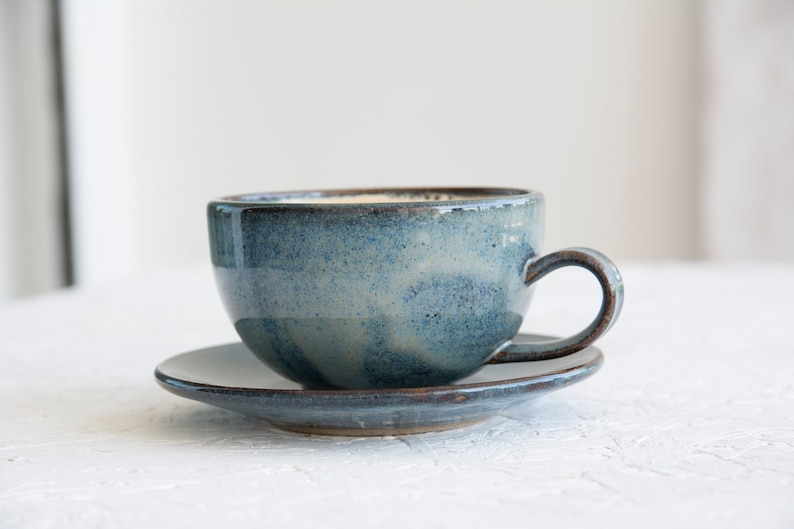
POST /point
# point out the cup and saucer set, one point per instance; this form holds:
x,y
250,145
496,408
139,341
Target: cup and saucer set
x,y
385,311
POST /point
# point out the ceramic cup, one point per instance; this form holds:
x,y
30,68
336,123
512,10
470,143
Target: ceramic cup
x,y
390,287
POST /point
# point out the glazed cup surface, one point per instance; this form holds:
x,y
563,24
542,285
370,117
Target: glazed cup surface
x,y
376,288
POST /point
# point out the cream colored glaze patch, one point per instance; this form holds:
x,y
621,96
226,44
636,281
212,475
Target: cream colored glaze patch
x,y
379,198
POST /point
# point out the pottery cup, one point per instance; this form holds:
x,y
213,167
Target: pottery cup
x,y
388,288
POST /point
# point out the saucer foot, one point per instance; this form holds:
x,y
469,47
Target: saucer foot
x,y
374,432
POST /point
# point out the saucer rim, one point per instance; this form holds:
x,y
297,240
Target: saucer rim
x,y
375,412
593,364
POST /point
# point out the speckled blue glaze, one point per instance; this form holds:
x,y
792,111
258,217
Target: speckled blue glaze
x,y
395,294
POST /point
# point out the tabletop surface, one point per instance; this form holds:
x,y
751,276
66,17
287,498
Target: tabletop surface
x,y
690,422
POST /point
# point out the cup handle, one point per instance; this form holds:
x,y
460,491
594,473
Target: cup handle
x,y
612,288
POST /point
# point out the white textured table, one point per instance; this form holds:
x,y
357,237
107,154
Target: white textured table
x,y
689,424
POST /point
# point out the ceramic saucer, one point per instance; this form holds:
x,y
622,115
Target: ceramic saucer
x,y
230,377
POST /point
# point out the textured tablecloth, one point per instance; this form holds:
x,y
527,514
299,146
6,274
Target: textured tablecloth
x,y
689,424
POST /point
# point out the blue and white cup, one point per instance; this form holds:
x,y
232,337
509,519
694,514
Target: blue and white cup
x,y
382,288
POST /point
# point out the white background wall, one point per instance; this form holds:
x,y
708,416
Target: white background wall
x,y
658,129
176,102
748,130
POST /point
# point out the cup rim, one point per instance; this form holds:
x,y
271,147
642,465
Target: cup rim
x,y
463,196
